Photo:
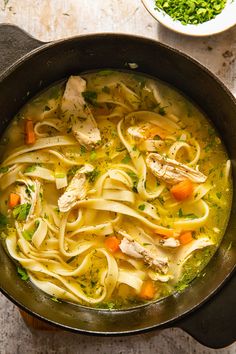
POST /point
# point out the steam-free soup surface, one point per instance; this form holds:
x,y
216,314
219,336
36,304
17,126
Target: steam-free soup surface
x,y
115,190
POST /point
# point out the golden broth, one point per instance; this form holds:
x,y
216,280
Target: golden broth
x,y
127,239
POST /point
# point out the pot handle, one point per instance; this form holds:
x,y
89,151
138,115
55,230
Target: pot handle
x,y
213,324
14,43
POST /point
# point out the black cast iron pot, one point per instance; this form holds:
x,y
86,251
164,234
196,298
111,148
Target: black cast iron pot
x,y
205,309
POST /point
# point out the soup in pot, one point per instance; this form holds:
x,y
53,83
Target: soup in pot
x,y
115,190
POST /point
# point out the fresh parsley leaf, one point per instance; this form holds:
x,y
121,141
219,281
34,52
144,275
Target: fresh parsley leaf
x,y
82,149
30,169
20,212
27,234
162,111
90,96
23,274
3,220
135,181
141,207
126,159
72,171
93,155
93,175
4,169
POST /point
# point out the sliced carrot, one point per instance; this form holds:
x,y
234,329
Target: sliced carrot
x,y
186,237
182,190
14,199
112,243
147,291
29,132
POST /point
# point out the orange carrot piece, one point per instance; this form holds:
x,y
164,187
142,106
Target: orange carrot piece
x,y
112,243
29,132
186,237
182,190
14,199
147,291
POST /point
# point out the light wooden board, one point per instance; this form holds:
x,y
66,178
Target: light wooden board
x,y
48,20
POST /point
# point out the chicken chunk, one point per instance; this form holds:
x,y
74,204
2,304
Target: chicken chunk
x,y
172,171
170,242
146,131
151,257
78,114
76,190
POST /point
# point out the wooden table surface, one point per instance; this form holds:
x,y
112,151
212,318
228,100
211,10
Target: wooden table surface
x,y
48,20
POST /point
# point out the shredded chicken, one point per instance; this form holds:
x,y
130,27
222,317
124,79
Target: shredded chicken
x,y
170,242
151,257
146,131
139,132
77,112
76,190
171,171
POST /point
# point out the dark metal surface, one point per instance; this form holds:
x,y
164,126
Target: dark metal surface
x,y
213,324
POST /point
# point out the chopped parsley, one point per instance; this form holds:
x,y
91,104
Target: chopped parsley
x,y
134,179
187,216
90,97
55,299
3,220
20,212
92,176
30,169
82,149
4,169
141,207
23,274
72,171
126,159
93,155
191,11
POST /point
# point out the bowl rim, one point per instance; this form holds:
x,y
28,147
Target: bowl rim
x,y
200,30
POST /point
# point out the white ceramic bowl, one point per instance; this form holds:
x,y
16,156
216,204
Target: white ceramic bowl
x,y
222,22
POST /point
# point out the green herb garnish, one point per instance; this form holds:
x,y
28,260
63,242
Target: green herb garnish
x,y
126,159
20,212
3,220
93,155
4,169
92,175
141,207
30,169
90,97
27,234
23,274
191,11
72,171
